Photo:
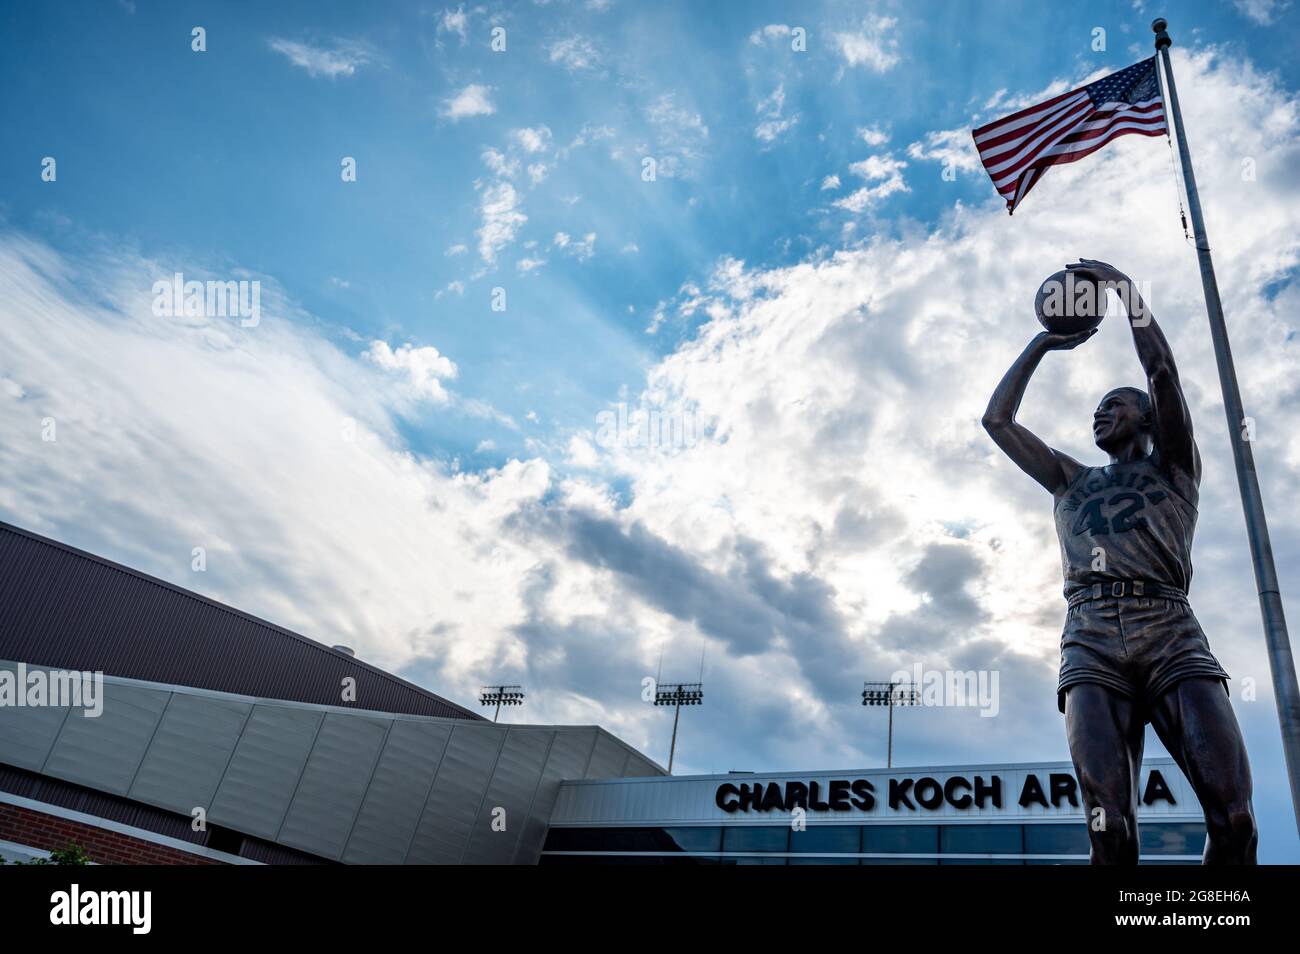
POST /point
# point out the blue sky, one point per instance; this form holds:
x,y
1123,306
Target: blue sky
x,y
840,514
233,154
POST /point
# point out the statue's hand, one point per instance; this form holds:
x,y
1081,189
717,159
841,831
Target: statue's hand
x,y
1097,271
1054,342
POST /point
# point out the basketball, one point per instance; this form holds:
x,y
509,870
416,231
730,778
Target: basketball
x,y
1068,303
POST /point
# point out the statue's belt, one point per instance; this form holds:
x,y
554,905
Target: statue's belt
x,y
1114,589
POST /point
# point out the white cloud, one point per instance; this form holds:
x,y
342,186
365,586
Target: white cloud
x,y
885,172
830,182
667,114
502,219
499,163
771,130
949,146
458,249
581,250
424,367
680,133
533,140
839,511
873,135
340,59
1262,12
774,123
530,264
589,134
887,356
872,46
472,100
455,21
574,53
267,446
771,32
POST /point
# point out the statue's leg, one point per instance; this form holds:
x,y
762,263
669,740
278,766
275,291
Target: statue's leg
x,y
1106,730
1195,721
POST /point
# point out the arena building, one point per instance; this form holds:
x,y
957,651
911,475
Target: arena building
x,y
947,815
202,735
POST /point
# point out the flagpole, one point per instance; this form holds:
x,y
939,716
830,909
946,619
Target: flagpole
x,y
1280,660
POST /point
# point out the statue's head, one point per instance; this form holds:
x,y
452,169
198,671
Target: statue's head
x,y
1124,415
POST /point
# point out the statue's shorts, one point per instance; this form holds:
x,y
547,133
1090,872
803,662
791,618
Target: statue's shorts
x,y
1135,646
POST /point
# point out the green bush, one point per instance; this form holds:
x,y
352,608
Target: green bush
x,y
72,854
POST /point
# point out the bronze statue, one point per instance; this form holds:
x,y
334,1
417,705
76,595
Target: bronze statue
x,y
1132,651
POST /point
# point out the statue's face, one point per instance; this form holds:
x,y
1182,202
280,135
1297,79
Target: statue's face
x,y
1119,418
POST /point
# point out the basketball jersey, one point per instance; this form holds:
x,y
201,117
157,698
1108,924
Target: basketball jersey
x,y
1124,522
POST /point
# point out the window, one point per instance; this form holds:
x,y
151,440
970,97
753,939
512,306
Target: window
x,y
901,838
693,839
827,838
1057,839
1168,838
753,860
980,861
634,839
900,861
981,839
822,860
756,838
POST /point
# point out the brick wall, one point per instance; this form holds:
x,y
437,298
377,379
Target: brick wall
x,y
50,832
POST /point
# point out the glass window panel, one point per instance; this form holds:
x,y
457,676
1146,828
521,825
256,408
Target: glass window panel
x,y
900,861
755,838
1063,861
1056,839
980,861
574,839
1171,838
980,839
694,839
911,838
634,839
753,860
827,838
823,860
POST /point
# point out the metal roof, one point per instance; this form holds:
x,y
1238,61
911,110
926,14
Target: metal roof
x,y
349,786
68,609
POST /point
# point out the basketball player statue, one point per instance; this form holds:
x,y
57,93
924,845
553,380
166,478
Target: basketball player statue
x,y
1132,652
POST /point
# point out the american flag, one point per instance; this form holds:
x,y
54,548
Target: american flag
x,y
1017,149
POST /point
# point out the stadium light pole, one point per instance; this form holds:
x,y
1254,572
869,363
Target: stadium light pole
x,y
889,694
501,696
678,694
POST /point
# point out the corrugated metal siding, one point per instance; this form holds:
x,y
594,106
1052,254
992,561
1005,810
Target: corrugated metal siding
x,y
76,798
326,782
67,609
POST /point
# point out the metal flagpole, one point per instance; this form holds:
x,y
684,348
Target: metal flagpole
x,y
1280,660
